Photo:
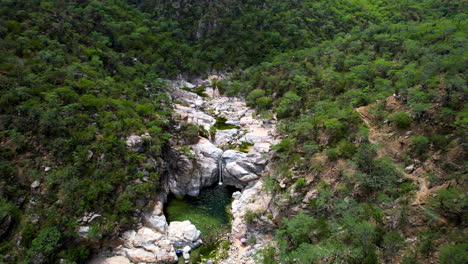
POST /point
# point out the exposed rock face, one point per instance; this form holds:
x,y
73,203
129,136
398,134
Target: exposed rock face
x,y
241,168
189,176
237,168
253,199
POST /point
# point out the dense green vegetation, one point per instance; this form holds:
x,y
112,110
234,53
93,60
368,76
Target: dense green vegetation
x,y
78,77
76,80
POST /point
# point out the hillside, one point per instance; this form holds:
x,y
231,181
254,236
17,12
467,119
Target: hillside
x,y
368,99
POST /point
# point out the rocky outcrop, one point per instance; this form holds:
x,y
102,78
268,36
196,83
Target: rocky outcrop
x,y
241,168
252,199
189,176
194,116
156,242
136,143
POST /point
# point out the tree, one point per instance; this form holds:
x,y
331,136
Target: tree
x,y
393,242
452,202
46,242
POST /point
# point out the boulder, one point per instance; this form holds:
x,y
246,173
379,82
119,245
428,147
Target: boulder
x,y
114,260
240,168
83,231
141,255
156,219
410,168
186,97
135,143
225,137
184,234
35,184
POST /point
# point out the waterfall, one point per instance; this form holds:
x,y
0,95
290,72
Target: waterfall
x,y
220,171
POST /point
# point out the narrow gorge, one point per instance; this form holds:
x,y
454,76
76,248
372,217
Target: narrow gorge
x,y
231,159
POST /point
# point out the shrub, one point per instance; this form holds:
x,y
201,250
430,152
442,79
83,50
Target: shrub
x,y
346,149
267,255
392,243
439,141
250,216
426,240
420,144
301,182
401,119
45,243
285,147
255,94
289,105
454,254
451,202
333,154
410,260
251,240
263,103
310,147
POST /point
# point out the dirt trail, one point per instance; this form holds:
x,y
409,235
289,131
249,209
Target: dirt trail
x,y
382,137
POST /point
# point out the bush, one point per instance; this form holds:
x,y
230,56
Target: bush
x,y
255,94
267,256
452,202
439,141
263,103
426,242
392,243
401,119
289,105
410,260
346,149
454,254
285,147
251,240
310,147
250,216
420,144
332,154
301,182
46,242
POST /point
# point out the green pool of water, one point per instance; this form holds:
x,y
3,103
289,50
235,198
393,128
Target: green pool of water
x,y
209,212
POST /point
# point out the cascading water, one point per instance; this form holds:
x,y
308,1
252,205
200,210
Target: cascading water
x,y
220,171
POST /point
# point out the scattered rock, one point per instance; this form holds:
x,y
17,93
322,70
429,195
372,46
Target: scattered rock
x,y
410,168
35,184
83,231
135,143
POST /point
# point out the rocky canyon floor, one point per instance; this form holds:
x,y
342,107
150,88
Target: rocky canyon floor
x,y
236,153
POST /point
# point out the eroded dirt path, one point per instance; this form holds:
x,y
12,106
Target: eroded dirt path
x,y
389,145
